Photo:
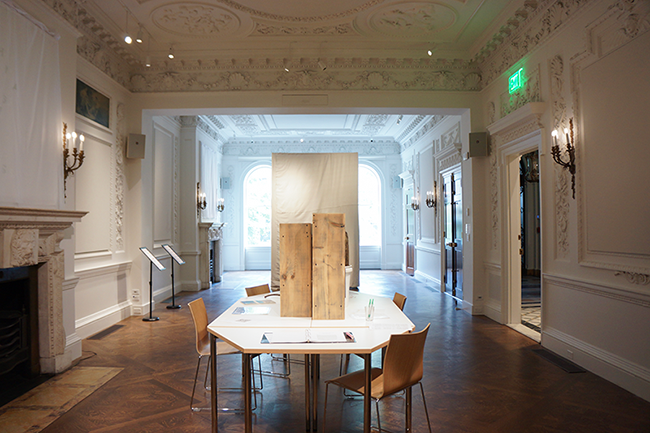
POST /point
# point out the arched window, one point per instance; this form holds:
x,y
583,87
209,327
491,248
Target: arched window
x,y
369,207
257,207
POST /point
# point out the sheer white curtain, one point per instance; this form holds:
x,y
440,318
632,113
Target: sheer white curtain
x,y
30,113
304,184
210,181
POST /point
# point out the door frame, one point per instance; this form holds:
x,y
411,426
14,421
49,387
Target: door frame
x,y
509,155
407,182
456,170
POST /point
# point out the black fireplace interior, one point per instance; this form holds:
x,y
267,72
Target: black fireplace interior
x,y
19,355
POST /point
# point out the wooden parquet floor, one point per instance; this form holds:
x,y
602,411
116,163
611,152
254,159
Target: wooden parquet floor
x,y
479,377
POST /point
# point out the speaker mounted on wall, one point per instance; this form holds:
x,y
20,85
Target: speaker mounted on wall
x,y
478,144
135,146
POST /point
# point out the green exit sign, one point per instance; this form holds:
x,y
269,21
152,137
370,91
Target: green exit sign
x,y
516,81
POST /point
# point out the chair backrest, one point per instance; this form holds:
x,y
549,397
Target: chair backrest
x,y
399,300
257,290
403,363
200,319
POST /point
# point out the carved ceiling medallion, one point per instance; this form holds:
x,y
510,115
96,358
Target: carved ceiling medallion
x,y
410,19
195,19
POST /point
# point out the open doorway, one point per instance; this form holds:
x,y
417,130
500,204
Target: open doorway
x,y
531,301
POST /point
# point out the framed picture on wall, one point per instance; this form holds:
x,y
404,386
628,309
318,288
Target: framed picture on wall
x,y
92,105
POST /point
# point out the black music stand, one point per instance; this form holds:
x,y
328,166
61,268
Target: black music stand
x,y
180,261
152,261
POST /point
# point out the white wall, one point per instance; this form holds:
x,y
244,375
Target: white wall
x,y
595,299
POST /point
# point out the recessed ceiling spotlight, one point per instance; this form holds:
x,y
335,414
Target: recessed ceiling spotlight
x,y
139,37
147,62
171,52
322,65
430,53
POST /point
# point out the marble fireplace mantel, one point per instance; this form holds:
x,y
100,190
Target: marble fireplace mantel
x,y
31,237
208,233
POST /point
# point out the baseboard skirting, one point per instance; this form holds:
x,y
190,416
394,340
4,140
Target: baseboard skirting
x,y
427,279
492,309
89,325
628,375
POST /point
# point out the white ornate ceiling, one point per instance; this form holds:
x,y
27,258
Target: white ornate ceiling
x,y
210,30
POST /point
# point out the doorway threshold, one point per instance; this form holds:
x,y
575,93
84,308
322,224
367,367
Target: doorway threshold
x,y
525,330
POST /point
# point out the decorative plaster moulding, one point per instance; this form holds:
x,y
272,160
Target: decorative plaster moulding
x,y
623,23
531,112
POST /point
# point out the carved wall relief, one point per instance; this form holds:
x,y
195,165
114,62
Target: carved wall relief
x,y
562,191
494,193
119,149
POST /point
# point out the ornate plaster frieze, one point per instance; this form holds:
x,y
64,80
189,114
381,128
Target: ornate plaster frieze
x,y
494,193
197,20
532,25
119,149
266,148
277,16
189,121
529,92
452,159
272,77
635,278
451,137
208,129
97,45
409,129
428,126
263,29
558,111
634,17
562,208
215,121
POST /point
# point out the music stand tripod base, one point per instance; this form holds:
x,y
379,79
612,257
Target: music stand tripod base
x,y
173,307
150,319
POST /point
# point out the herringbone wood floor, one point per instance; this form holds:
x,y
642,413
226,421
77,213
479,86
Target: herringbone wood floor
x,y
479,377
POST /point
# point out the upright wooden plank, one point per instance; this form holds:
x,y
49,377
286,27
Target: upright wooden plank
x,y
295,270
328,272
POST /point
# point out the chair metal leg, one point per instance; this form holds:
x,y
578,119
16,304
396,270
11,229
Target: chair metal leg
x,y
378,417
196,376
409,409
222,409
424,401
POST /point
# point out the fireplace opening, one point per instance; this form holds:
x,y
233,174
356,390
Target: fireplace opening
x,y
19,351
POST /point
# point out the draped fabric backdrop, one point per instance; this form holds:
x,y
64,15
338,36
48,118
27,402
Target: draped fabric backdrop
x,y
304,184
30,113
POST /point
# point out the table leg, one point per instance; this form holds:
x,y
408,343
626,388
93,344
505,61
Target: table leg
x,y
248,413
315,374
307,393
367,361
409,408
213,383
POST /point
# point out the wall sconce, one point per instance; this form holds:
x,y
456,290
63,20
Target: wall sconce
x,y
201,203
220,205
415,203
432,197
77,155
570,151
